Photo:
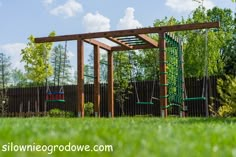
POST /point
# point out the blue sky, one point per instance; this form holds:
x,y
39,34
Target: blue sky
x,y
21,18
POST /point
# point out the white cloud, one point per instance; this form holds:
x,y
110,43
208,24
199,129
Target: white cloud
x,y
48,2
188,5
14,50
69,9
129,21
96,22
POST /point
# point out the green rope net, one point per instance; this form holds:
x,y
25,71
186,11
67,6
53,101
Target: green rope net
x,y
174,71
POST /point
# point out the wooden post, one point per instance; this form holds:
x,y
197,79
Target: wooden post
x,y
80,81
207,78
35,106
97,80
163,75
28,106
184,109
110,85
21,107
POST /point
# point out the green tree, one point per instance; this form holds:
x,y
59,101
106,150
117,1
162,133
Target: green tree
x,y
194,48
88,74
194,41
18,78
145,64
36,58
122,78
5,74
89,69
103,67
229,54
75,77
61,66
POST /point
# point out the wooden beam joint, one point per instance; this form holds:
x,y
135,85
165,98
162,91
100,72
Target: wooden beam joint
x,y
122,44
147,39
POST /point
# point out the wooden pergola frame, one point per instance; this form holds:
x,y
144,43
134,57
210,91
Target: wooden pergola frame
x,y
131,39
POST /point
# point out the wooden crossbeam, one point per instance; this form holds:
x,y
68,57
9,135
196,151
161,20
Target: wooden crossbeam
x,y
135,47
129,32
98,43
123,44
148,39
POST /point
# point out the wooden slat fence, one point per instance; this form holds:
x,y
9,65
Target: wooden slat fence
x,y
29,100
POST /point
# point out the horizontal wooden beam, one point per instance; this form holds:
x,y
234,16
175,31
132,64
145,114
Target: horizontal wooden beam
x,y
135,47
119,42
129,32
98,43
148,39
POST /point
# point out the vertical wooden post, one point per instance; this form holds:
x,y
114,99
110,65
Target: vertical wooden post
x,y
207,78
163,75
97,80
184,109
80,81
110,85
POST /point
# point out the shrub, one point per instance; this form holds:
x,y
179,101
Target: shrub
x,y
88,109
60,113
227,90
3,102
226,111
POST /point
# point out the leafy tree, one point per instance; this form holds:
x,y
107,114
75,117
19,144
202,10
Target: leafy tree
x,y
18,77
36,57
103,68
75,77
89,69
4,70
194,41
61,66
145,64
194,49
229,53
122,78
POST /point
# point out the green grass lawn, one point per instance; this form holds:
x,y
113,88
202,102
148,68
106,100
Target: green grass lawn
x,y
133,137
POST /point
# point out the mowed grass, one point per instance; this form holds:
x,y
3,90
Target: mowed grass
x,y
130,137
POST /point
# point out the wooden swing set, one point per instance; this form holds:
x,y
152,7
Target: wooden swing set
x,y
131,39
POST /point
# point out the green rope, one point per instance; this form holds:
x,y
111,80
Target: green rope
x,y
174,71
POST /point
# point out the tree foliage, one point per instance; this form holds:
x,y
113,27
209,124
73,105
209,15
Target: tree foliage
x,y
122,78
145,64
229,53
194,49
89,69
195,41
36,58
18,78
61,66
227,90
5,67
